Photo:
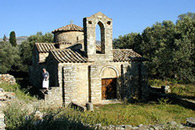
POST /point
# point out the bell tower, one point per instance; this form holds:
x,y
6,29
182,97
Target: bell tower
x,y
102,52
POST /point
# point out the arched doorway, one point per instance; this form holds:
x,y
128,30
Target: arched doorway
x,y
108,83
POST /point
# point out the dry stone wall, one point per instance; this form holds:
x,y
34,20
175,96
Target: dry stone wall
x,y
7,78
2,104
2,124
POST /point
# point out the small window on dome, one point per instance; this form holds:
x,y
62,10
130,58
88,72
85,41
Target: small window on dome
x,y
90,22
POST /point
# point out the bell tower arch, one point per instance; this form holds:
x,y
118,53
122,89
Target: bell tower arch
x,y
105,48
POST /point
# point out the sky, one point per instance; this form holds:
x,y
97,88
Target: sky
x,y
27,17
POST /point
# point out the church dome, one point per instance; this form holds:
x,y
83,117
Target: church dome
x,y
68,35
69,27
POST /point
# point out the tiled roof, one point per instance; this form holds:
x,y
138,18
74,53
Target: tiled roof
x,y
120,55
44,47
68,56
70,27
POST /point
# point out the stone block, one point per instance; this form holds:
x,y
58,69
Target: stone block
x,y
89,106
77,106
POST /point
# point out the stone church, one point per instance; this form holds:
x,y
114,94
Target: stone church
x,y
82,71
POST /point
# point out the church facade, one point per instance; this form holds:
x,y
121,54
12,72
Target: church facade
x,y
83,71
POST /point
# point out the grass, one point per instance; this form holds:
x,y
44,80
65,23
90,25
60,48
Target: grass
x,y
185,90
113,114
136,114
21,94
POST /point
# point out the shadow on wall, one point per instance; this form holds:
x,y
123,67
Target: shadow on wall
x,y
134,82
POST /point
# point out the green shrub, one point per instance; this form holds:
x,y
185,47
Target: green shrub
x,y
8,87
15,113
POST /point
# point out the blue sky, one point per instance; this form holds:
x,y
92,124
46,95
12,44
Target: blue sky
x,y
26,17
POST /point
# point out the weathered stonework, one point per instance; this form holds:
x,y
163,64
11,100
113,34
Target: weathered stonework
x,y
69,37
7,78
105,24
54,97
86,74
75,83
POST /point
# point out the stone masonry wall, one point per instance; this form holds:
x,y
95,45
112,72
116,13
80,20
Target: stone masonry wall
x,y
144,82
81,82
131,80
134,81
43,56
74,82
89,24
54,96
96,74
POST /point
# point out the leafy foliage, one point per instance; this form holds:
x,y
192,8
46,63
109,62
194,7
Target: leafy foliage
x,y
169,47
26,48
17,58
9,57
14,115
12,38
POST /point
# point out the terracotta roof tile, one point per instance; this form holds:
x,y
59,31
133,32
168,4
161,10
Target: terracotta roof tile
x,y
44,47
120,55
68,56
70,27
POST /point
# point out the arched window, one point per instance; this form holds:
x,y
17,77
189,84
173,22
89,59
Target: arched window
x,y
100,38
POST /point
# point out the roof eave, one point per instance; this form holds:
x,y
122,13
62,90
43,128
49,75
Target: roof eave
x,y
67,31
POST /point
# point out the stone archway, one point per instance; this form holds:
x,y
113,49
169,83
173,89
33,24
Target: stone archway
x,y
100,48
108,83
